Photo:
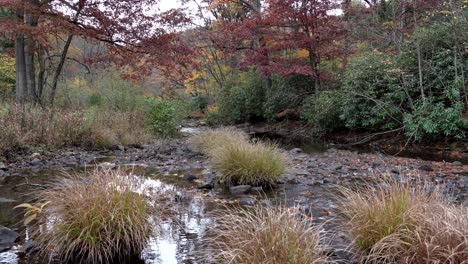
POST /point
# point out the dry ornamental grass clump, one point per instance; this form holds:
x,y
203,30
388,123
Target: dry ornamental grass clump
x,y
401,223
266,235
249,163
98,218
207,141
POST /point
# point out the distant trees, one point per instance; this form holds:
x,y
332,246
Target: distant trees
x,y
125,26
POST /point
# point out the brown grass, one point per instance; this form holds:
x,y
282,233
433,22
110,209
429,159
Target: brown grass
x,y
26,126
107,128
207,141
266,235
249,163
96,218
403,223
440,237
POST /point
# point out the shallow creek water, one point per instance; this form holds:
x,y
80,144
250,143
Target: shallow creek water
x,y
309,185
179,240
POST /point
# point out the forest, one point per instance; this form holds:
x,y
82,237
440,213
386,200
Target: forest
x,y
234,131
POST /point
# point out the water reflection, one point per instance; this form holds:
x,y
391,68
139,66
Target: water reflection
x,y
177,240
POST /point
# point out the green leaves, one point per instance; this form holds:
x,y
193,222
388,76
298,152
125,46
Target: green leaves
x,y
164,116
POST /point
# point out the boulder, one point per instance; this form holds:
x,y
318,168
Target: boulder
x,y
7,238
240,189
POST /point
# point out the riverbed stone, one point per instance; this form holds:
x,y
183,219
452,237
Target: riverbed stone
x,y
207,186
190,177
7,238
240,189
295,151
457,163
301,172
425,168
247,201
3,166
258,189
34,155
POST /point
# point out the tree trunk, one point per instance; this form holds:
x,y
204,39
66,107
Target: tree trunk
x,y
58,70
418,47
41,77
20,69
30,68
347,44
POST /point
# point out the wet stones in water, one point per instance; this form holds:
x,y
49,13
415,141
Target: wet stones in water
x,y
35,156
240,189
106,165
28,248
295,151
425,168
300,172
190,177
247,201
207,186
257,190
7,238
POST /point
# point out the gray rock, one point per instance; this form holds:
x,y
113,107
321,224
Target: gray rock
x,y
240,189
28,248
425,168
3,166
295,151
457,163
190,177
257,189
106,165
301,172
35,161
207,186
35,155
247,201
7,238
338,167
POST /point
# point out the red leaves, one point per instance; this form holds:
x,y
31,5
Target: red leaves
x,y
271,39
135,32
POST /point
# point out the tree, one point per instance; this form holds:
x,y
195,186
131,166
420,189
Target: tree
x,y
126,26
284,37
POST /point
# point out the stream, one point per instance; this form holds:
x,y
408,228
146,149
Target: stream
x,y
309,184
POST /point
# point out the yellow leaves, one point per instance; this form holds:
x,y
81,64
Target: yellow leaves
x,y
32,211
7,71
302,53
389,24
213,109
79,83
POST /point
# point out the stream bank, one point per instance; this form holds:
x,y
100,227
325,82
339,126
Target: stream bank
x,y
298,134
308,184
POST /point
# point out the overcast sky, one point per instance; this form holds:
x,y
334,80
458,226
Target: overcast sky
x,y
168,4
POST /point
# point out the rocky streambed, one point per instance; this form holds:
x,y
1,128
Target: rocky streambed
x,y
309,184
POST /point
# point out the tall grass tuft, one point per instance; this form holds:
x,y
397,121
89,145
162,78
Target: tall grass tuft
x,y
106,128
207,141
401,223
440,237
249,163
98,218
266,235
